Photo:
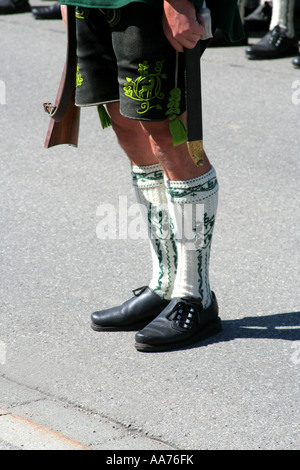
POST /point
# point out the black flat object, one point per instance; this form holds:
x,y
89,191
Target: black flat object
x,y
182,323
9,7
274,45
296,62
51,12
133,314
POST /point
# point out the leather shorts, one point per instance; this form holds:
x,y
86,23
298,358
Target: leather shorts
x,y
123,55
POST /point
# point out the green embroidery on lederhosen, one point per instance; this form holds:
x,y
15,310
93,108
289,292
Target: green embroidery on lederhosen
x,y
81,14
174,103
147,87
79,79
112,15
177,128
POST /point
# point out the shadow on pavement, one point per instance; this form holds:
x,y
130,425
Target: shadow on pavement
x,y
277,326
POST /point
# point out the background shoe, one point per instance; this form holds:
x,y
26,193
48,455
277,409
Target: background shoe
x,y
9,7
220,39
132,314
47,13
259,19
273,45
296,62
183,322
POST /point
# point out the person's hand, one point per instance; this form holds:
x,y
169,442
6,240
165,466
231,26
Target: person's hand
x,y
63,9
180,24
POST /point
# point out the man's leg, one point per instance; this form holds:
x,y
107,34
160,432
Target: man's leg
x,y
146,83
148,182
132,137
188,187
149,186
175,161
283,16
191,193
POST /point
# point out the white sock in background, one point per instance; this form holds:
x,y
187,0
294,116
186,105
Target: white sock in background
x,y
283,15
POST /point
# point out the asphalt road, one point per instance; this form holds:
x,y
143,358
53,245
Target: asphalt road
x,y
239,390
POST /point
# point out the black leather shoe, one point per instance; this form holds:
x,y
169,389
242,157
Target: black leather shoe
x,y
182,322
9,7
296,62
47,13
133,314
273,45
220,39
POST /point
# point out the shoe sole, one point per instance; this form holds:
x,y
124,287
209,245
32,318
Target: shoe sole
x,y
211,330
136,327
285,55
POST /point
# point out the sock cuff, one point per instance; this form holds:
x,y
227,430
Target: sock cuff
x,y
193,190
148,176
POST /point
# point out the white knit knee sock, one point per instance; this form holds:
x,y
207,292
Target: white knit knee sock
x,y
241,6
193,207
283,15
150,190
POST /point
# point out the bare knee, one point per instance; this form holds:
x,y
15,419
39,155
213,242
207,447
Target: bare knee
x,y
125,129
175,160
162,145
121,125
158,133
132,137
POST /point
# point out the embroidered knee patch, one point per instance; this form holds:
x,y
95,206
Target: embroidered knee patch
x,y
146,89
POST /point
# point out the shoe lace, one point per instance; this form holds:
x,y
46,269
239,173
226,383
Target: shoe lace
x,y
276,36
139,290
184,313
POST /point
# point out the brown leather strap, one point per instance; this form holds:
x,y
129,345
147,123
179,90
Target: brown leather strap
x,y
67,84
65,116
